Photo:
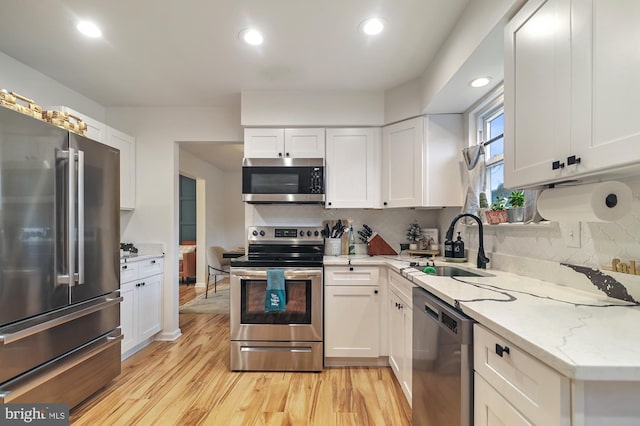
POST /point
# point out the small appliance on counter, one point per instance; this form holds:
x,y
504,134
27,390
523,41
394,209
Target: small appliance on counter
x,y
128,250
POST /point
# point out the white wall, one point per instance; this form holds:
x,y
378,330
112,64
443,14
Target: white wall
x,y
309,108
476,22
17,77
155,218
403,101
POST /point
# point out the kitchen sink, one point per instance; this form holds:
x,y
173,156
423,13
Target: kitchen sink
x,y
454,271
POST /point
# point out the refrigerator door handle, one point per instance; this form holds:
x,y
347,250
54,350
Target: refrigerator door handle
x,y
80,217
71,219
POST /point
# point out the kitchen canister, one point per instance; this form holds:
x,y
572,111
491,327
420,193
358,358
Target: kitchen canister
x,y
333,246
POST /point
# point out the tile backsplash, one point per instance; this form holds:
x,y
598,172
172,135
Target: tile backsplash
x,y
390,224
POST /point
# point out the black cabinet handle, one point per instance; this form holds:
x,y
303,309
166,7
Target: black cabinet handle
x,y
329,202
153,261
384,204
287,154
501,350
124,266
573,160
375,291
279,154
557,165
351,268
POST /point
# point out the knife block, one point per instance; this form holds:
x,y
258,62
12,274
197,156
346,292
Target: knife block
x,y
378,246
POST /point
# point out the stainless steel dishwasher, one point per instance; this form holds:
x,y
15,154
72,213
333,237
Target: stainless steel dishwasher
x,y
442,363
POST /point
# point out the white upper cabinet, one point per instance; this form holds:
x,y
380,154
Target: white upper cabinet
x,y
420,162
284,143
127,146
352,168
570,90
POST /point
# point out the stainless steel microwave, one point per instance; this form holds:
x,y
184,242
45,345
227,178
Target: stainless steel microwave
x,y
283,180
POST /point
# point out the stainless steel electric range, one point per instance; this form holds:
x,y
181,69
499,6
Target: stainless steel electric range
x,y
291,340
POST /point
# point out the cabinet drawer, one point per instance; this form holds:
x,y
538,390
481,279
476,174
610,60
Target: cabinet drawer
x,y
401,286
128,272
352,275
150,267
534,389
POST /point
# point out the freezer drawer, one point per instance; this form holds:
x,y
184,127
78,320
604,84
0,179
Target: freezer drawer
x,y
69,379
31,343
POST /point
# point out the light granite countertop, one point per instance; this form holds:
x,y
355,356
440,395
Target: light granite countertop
x,y
583,335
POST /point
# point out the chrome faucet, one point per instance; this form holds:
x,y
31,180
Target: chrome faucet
x,y
482,259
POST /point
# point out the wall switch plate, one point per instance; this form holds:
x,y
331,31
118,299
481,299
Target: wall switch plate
x,y
571,234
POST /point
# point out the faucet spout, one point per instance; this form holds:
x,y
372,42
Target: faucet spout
x,y
482,259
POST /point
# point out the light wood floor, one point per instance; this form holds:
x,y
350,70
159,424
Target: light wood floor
x,y
190,292
188,382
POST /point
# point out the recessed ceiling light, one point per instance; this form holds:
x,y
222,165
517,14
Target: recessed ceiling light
x,y
251,36
372,26
480,82
89,29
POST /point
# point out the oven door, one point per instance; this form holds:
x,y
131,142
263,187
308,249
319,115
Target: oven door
x,y
301,319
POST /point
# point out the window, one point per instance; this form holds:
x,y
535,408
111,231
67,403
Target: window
x,y
486,125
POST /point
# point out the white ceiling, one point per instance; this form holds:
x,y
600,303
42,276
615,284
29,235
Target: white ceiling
x,y
179,53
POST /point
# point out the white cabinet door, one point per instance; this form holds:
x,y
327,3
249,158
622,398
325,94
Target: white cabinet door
x,y
351,321
284,143
127,146
402,152
149,306
263,143
537,93
352,168
304,143
128,317
491,409
401,331
420,162
606,92
571,91
396,335
406,372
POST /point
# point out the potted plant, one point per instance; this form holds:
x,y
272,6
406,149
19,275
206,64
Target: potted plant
x,y
498,212
414,234
515,212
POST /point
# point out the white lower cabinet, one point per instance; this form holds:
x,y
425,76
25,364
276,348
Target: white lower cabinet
x,y
141,307
352,312
513,388
400,309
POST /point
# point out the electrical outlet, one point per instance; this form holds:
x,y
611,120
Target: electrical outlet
x,y
571,234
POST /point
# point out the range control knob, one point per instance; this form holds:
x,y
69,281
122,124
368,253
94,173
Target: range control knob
x,y
254,233
316,233
308,233
302,233
262,233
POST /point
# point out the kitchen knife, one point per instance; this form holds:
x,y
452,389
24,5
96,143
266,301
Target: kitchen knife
x,y
366,228
327,230
363,235
364,240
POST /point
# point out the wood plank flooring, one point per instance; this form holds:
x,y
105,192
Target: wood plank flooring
x,y
188,382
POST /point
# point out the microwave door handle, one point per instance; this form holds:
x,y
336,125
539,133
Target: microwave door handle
x,y
80,234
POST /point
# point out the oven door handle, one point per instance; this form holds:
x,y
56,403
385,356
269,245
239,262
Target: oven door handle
x,y
291,274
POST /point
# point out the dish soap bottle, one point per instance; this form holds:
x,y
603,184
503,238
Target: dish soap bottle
x,y
458,247
448,248
352,241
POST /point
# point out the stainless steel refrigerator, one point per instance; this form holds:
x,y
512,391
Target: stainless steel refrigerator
x,y
59,263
